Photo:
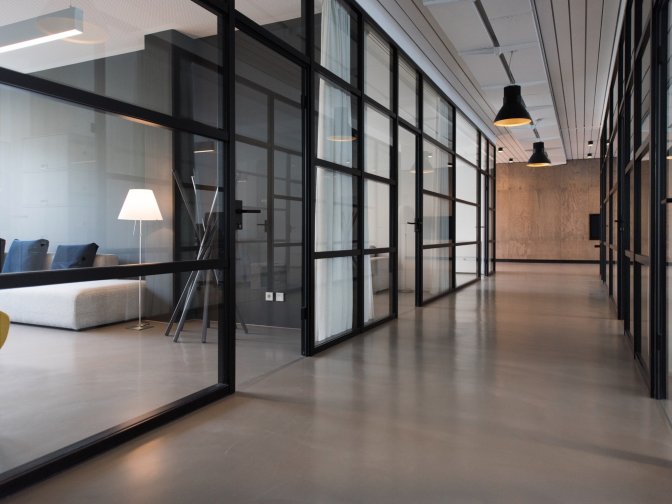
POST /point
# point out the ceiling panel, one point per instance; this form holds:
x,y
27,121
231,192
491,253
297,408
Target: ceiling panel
x,y
514,28
578,38
467,34
562,59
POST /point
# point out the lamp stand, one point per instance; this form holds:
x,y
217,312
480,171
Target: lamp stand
x,y
141,326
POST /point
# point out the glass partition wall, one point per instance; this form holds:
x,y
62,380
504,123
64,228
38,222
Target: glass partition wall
x,y
635,155
114,156
203,174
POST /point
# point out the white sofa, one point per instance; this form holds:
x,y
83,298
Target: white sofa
x,y
74,305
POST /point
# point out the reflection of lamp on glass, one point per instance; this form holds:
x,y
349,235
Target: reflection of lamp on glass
x,y
204,147
426,163
342,126
140,205
669,153
42,29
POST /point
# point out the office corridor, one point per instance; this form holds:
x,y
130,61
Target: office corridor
x,y
520,388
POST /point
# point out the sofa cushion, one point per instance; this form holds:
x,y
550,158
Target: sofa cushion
x,y
25,255
74,256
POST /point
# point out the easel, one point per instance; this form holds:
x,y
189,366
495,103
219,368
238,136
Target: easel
x,y
207,233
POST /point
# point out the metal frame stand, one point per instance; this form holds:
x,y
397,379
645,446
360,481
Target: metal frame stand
x,y
191,287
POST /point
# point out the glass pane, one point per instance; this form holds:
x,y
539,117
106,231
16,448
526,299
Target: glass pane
x,y
377,215
64,360
645,205
646,12
466,182
630,218
491,255
288,175
633,39
632,126
126,52
645,333
466,142
335,211
336,39
377,142
283,19
466,223
334,297
466,264
406,184
491,224
251,113
408,92
436,169
288,125
67,171
435,220
482,236
438,117
631,301
269,178
336,125
377,281
377,68
646,93
436,270
483,160
491,162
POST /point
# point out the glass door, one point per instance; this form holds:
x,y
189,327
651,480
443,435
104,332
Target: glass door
x,y
408,219
269,186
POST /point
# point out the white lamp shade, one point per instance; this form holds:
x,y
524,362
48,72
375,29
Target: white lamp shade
x,y
140,204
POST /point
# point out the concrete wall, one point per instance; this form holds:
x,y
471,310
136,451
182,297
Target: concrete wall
x,y
542,213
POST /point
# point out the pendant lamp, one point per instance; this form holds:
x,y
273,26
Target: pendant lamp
x,y
539,157
513,111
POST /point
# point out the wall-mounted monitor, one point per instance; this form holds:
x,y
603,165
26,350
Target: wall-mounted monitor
x,y
594,226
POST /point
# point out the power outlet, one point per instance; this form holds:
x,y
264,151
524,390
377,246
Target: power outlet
x,y
280,296
269,296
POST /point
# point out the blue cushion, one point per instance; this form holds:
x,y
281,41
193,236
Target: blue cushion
x,y
25,255
74,256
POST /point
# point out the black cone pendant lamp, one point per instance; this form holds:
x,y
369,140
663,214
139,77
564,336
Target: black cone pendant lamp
x,y
513,111
539,157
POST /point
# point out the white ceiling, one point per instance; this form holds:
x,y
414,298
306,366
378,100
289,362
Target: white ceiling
x,y
559,52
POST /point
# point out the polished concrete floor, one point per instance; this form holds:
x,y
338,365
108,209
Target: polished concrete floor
x,y
59,386
520,388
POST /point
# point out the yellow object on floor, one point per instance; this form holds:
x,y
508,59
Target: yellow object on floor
x,y
4,327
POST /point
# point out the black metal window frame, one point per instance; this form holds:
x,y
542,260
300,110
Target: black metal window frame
x,y
621,180
357,91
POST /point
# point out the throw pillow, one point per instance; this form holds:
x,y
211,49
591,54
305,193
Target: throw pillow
x,y
74,256
25,255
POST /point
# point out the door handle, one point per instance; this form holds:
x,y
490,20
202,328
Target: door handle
x,y
417,223
239,213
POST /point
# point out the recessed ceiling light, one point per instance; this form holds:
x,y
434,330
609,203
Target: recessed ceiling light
x,y
500,149
590,154
510,160
590,143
